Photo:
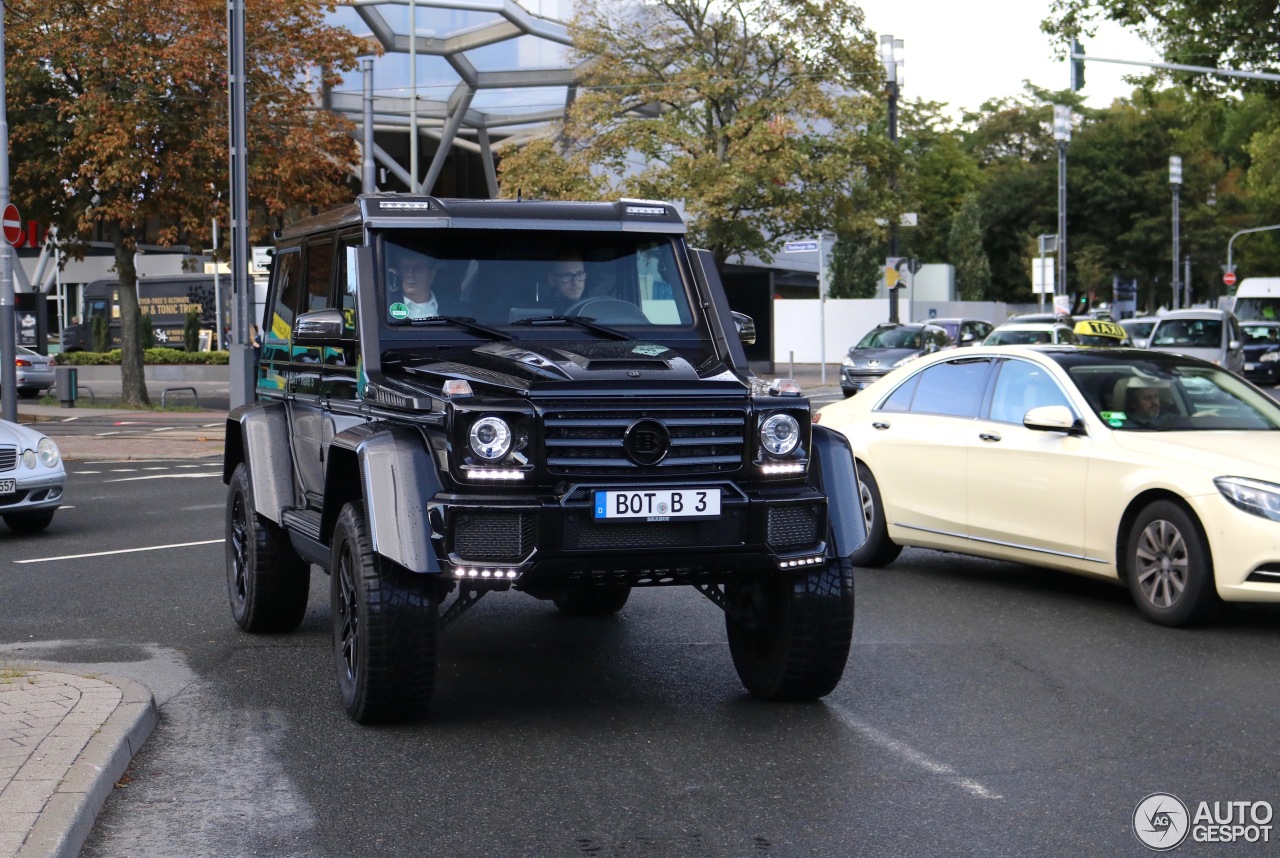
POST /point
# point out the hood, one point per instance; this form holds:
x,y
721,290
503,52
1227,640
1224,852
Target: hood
x,y
529,366
880,358
16,434
1254,454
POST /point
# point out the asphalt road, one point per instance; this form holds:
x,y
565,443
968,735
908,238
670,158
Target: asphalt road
x,y
988,709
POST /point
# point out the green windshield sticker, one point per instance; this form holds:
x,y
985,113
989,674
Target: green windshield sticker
x,y
1115,419
398,311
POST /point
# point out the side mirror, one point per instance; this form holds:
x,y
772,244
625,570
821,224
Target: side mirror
x,y
1233,345
1052,418
318,328
966,337
746,327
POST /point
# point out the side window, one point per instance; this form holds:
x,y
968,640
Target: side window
x,y
1021,386
954,388
900,399
275,339
319,276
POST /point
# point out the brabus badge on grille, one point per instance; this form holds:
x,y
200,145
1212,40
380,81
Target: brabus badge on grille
x,y
646,442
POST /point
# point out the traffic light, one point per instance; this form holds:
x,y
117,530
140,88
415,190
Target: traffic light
x,y
1077,65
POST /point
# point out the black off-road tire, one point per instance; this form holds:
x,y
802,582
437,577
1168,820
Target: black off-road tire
x,y
29,522
878,549
267,582
1168,566
592,601
789,636
385,625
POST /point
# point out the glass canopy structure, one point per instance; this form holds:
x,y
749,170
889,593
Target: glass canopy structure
x,y
455,78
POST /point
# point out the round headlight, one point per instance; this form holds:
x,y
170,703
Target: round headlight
x,y
29,458
47,452
491,438
779,434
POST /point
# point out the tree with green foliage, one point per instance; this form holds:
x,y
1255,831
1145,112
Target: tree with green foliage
x,y
752,113
118,118
191,331
973,271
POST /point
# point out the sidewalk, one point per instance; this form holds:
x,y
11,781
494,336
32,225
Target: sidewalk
x,y
127,435
65,740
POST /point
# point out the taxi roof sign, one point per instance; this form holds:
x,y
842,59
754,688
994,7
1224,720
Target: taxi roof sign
x,y
1100,328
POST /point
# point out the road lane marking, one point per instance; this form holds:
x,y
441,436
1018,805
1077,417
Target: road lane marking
x,y
123,470
120,551
87,472
157,468
164,477
910,754
105,434
165,429
68,419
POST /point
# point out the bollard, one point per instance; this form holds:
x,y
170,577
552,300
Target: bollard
x,y
65,382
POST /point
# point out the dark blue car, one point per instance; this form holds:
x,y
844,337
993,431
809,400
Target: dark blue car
x,y
1261,352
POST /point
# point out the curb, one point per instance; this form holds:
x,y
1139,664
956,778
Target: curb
x,y
67,819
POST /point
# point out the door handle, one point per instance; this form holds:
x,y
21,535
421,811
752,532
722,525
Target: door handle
x,y
878,424
988,436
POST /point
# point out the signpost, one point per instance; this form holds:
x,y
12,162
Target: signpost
x,y
1229,279
12,225
812,247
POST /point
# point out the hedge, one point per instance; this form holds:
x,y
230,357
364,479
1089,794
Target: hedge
x,y
149,356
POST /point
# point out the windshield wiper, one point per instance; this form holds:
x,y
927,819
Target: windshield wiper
x,y
576,320
465,321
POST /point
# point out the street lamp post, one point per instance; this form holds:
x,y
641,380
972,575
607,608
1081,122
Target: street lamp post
x,y
1175,180
891,56
1062,134
1231,266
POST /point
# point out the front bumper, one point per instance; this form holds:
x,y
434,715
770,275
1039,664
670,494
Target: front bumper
x,y
853,379
1245,549
557,538
36,491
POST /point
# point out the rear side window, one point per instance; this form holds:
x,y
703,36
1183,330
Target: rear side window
x,y
954,388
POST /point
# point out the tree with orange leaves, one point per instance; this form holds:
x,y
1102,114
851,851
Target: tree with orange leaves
x,y
118,124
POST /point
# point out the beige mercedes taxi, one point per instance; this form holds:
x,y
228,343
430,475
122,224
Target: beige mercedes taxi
x,y
1156,470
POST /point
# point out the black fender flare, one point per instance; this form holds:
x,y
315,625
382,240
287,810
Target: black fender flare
x,y
390,469
839,482
257,435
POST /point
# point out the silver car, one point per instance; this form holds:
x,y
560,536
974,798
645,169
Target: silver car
x,y
35,372
1209,334
31,478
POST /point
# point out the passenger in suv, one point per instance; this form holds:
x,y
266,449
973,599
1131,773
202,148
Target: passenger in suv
x,y
569,452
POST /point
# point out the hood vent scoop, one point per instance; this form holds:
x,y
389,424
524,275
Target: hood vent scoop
x,y
623,364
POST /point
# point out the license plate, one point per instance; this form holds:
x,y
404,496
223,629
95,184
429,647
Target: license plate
x,y
8,487
1251,366
657,505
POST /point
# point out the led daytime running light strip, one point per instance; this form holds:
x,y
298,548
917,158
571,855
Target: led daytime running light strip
x,y
783,468
465,572
493,474
803,561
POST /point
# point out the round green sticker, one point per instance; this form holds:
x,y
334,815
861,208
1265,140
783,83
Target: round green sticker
x,y
398,311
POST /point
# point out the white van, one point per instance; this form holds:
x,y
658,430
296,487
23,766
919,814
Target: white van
x,y
1257,300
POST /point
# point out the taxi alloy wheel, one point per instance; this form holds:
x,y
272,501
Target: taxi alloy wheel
x,y
1169,569
877,549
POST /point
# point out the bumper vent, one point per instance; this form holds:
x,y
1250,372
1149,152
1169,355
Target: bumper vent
x,y
793,527
590,441
8,458
494,537
582,534
1268,573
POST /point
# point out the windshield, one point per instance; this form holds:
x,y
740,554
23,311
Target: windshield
x,y
1193,333
504,279
1018,338
1171,395
1139,330
891,338
1257,309
1257,335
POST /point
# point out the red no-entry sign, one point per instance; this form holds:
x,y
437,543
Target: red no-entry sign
x,y
1228,279
12,225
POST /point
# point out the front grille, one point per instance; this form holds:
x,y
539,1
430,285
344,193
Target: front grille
x,y
588,440
493,536
8,458
793,526
864,376
581,533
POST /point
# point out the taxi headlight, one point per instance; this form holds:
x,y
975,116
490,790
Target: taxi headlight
x,y
1252,496
779,434
47,452
490,438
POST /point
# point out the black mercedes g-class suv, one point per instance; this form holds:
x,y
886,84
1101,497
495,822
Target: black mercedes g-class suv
x,y
461,396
